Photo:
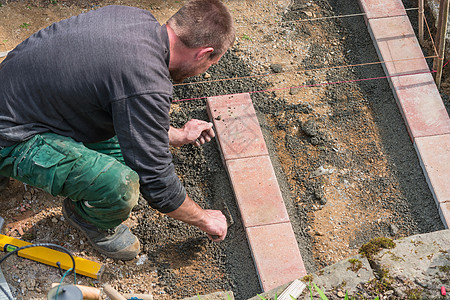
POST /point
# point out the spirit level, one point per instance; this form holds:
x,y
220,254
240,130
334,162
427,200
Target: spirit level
x,y
51,257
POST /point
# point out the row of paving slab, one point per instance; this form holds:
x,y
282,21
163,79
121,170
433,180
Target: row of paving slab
x,y
416,94
264,216
269,232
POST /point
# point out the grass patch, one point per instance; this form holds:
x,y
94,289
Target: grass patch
x,y
25,25
246,37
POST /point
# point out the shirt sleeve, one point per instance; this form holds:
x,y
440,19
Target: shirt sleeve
x,y
142,125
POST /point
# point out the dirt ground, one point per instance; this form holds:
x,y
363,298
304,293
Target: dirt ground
x,y
347,168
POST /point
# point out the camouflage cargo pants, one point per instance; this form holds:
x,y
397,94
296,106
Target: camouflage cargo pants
x,y
93,175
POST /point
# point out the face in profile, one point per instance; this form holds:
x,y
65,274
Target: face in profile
x,y
192,68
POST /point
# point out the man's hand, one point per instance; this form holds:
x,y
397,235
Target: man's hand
x,y
213,222
216,225
196,132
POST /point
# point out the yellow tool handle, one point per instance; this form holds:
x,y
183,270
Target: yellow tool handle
x,y
51,257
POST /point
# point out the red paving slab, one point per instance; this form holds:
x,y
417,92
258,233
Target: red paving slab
x,y
382,8
397,44
434,155
416,95
444,211
422,107
257,192
276,254
271,237
235,119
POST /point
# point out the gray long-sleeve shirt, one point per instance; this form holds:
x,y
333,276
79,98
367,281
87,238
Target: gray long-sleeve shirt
x,y
93,76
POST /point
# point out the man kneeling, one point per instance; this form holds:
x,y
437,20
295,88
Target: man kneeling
x,y
84,113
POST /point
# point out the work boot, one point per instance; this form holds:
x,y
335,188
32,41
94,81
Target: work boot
x,y
4,181
118,243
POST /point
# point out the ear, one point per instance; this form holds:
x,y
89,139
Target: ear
x,y
204,52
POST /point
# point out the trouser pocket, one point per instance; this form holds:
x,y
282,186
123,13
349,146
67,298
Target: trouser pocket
x,y
104,190
42,163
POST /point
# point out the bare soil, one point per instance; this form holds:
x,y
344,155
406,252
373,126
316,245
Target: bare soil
x,y
345,163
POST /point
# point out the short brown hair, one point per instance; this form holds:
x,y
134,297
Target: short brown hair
x,y
204,23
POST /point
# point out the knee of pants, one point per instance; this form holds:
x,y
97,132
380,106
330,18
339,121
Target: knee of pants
x,y
125,194
116,193
128,191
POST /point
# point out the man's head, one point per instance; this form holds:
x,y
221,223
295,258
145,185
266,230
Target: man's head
x,y
204,28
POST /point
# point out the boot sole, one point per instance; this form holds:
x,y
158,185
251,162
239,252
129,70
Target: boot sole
x,y
128,253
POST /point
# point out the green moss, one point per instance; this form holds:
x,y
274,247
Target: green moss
x,y
444,269
382,284
375,245
385,277
414,294
417,243
307,278
375,286
395,257
355,264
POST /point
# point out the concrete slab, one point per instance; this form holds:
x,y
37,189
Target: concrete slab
x,y
347,273
409,76
416,94
444,213
397,45
422,259
257,192
214,296
276,254
269,232
418,264
382,8
236,125
434,156
421,106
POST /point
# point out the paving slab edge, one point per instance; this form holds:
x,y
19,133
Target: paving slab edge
x,y
237,131
443,211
